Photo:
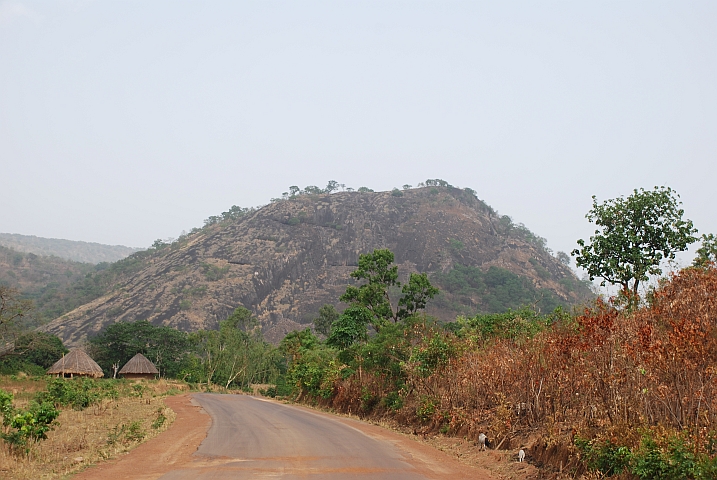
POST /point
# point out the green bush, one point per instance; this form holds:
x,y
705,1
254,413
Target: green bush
x,y
76,393
24,427
426,408
672,459
604,456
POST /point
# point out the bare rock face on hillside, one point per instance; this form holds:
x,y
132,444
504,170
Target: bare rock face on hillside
x,y
287,259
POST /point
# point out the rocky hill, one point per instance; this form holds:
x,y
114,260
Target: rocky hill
x,y
287,259
85,252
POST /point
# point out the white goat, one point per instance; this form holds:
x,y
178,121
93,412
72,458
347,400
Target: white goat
x,y
482,441
521,455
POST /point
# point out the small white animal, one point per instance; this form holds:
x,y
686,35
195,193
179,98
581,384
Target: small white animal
x,y
521,455
482,439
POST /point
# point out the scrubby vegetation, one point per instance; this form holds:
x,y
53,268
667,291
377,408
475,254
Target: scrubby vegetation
x,y
54,428
613,390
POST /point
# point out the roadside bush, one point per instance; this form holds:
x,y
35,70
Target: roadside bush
x,y
22,427
77,393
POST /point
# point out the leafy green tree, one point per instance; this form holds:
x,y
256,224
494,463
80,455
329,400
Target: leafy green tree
x,y
332,186
350,327
166,347
22,427
296,342
327,315
39,348
313,190
707,252
364,190
636,234
236,354
381,276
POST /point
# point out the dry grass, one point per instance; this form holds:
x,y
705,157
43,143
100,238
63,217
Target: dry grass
x,y
22,387
90,436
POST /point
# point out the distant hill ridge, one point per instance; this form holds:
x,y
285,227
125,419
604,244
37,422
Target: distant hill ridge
x,y
77,251
285,260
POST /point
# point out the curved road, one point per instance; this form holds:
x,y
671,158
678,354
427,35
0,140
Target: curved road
x,y
254,438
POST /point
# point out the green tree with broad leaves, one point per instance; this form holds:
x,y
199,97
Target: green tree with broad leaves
x,y
635,235
327,316
707,253
370,303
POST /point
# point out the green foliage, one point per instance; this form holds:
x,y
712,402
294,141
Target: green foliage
x,y
707,253
364,190
214,273
437,182
296,342
22,427
166,347
512,324
604,456
416,294
327,316
563,258
34,352
381,275
396,192
235,355
6,407
160,420
672,459
636,233
456,244
434,353
54,300
127,434
315,372
78,393
426,408
495,290
350,327
135,432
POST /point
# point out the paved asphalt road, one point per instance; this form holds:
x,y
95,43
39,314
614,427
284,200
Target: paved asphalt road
x,y
254,438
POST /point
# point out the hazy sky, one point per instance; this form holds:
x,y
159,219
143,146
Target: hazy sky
x,y
124,122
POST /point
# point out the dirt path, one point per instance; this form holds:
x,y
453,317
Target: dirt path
x,y
169,450
250,438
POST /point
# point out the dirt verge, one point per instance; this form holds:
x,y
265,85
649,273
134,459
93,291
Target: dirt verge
x,y
169,450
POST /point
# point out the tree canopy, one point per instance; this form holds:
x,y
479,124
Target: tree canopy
x,y
370,303
636,234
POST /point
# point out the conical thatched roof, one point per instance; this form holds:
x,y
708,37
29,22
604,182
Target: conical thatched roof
x,y
139,365
76,362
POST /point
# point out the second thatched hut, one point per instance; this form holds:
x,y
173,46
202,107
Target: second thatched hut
x,y
139,367
76,364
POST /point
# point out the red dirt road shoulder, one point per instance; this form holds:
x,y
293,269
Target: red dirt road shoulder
x,y
169,450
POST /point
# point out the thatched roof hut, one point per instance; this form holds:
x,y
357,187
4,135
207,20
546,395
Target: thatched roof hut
x,y
139,367
76,363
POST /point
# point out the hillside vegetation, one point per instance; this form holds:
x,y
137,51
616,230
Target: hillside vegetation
x,y
629,393
287,259
85,252
57,286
